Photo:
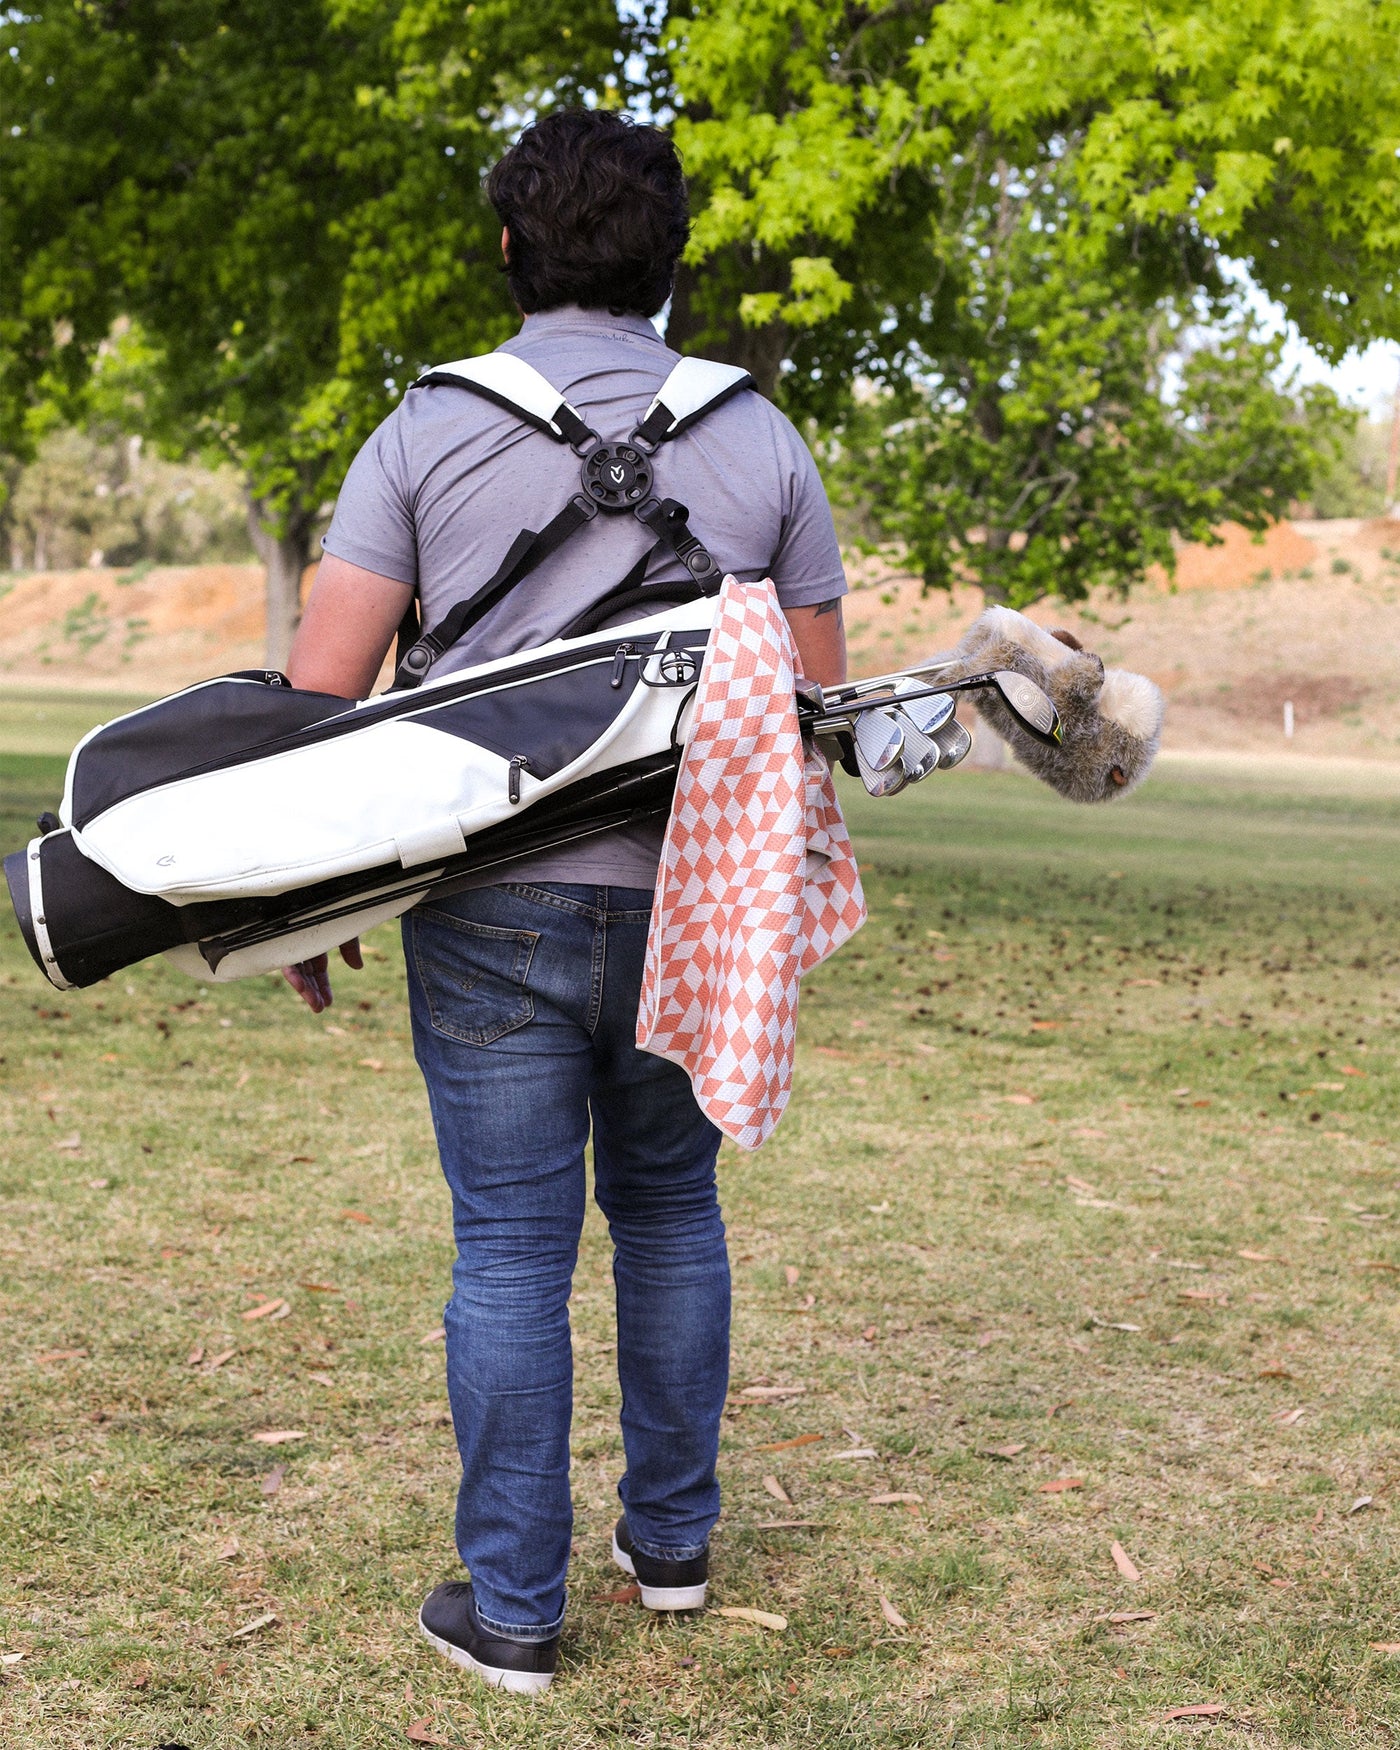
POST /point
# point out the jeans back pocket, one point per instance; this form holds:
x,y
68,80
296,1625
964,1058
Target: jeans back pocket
x,y
473,975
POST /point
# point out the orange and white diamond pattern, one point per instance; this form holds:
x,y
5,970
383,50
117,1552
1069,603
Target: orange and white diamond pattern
x,y
758,881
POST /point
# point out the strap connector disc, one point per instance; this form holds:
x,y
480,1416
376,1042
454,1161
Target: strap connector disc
x,y
616,476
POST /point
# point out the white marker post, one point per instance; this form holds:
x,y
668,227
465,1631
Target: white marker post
x,y
1288,718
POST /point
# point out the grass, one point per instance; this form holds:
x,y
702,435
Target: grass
x,y
1091,1159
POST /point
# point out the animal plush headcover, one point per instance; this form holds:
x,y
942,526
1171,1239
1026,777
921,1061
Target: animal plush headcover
x,y
1111,720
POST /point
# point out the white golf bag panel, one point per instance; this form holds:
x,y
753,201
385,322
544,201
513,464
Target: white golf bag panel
x,y
408,777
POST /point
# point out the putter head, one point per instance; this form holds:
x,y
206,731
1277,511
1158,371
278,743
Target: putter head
x,y
1032,708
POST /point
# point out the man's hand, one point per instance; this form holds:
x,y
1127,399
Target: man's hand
x,y
311,980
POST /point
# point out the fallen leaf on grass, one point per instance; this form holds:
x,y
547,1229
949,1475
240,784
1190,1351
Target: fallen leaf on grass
x,y
623,1595
1375,1646
272,1482
790,1524
357,1215
251,1628
1008,1452
1047,1026
893,1499
1274,1373
71,1143
227,1550
1286,1418
1351,1070
14,1658
278,1436
790,1275
1124,1563
98,1184
890,1614
1260,1258
1379,1264
777,1491
370,1063
1202,1710
787,1445
321,1379
1144,983
853,1452
742,1613
770,1394
437,1336
265,1311
1055,1409
837,1652
217,1361
1081,1185
421,1732
1361,1502
1127,1616
61,1355
195,1356
1059,1485
1020,1099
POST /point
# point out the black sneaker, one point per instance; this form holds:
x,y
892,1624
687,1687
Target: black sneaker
x,y
449,1620
665,1585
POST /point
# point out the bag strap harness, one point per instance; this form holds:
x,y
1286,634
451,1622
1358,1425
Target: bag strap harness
x,y
614,478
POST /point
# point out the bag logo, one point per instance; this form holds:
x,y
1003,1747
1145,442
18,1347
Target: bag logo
x,y
671,668
166,862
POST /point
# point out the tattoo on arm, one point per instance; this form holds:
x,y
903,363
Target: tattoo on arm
x,y
831,607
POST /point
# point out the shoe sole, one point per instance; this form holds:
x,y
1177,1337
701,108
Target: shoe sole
x,y
661,1597
514,1682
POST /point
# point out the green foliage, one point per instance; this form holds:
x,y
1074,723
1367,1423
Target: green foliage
x,y
834,135
981,207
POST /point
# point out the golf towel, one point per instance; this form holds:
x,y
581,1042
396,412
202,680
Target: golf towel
x,y
758,881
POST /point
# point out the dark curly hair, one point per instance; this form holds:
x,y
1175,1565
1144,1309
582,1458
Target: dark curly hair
x,y
597,211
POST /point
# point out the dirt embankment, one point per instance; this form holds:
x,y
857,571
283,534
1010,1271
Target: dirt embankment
x,y
1310,615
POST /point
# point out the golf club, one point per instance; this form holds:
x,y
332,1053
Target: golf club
x,y
1032,708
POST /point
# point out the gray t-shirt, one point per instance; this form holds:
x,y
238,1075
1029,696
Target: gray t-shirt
x,y
447,482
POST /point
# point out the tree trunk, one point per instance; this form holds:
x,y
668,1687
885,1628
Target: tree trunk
x,y
707,317
284,546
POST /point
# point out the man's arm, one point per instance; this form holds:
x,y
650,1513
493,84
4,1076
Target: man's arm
x,y
349,623
820,635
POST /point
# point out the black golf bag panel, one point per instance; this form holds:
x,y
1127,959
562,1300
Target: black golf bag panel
x,y
244,824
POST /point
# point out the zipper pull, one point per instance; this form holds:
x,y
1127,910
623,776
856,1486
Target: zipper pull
x,y
619,671
518,765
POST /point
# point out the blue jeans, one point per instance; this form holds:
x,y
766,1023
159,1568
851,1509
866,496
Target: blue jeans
x,y
524,1005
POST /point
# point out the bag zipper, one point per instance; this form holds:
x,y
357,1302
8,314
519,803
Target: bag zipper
x,y
412,705
518,765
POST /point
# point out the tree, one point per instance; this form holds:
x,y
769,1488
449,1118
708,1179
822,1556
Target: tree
x,y
249,183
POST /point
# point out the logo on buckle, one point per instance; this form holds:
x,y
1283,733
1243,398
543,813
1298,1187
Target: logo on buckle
x,y
671,668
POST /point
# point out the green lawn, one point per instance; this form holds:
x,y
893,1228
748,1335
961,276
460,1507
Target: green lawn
x,y
1090,1175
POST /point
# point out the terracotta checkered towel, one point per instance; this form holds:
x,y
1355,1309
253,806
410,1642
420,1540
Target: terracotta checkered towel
x,y
758,881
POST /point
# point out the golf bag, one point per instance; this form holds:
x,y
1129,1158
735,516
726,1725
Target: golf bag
x,y
244,824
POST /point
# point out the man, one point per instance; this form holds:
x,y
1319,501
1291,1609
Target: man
x,y
524,991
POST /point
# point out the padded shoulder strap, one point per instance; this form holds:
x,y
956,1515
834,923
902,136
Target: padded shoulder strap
x,y
511,383
693,388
